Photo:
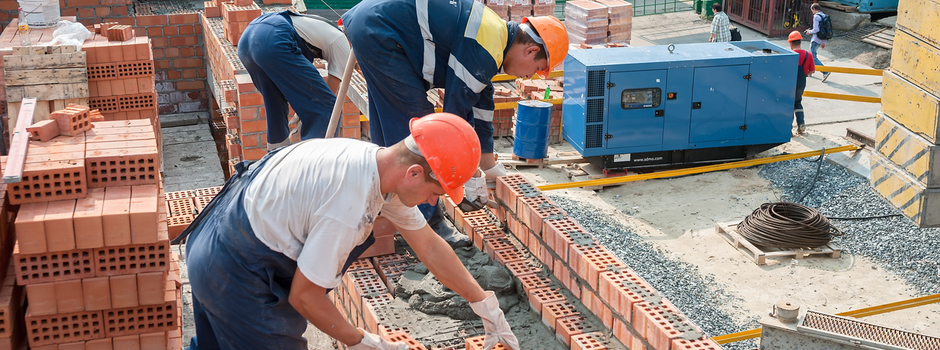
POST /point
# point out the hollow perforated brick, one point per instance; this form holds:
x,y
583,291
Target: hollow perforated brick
x,y
703,343
48,181
122,167
506,256
11,306
43,130
472,223
137,101
537,209
176,224
601,262
72,120
507,189
476,343
541,296
482,234
134,258
179,195
556,234
143,319
180,207
101,71
360,264
133,69
632,289
490,247
588,341
661,323
63,328
207,191
405,338
200,202
567,327
30,221
579,258
553,311
51,267
144,211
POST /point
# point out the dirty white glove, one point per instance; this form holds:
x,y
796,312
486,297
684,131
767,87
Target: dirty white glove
x,y
494,172
374,342
475,190
494,322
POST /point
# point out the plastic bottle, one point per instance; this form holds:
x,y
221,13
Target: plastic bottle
x,y
23,28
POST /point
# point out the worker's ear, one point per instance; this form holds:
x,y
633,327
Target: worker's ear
x,y
415,172
532,50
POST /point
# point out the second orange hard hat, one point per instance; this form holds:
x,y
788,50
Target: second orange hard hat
x,y
794,36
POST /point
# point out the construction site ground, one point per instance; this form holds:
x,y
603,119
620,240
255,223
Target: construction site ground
x,y
678,216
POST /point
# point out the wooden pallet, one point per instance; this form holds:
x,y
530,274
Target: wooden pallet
x,y
883,38
728,231
564,158
54,75
838,6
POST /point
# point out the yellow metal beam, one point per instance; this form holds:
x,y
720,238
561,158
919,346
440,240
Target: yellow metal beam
x,y
843,97
861,71
507,77
874,310
696,170
512,105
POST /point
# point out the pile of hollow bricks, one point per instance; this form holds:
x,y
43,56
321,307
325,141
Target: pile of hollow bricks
x,y
599,22
92,247
183,206
121,75
237,103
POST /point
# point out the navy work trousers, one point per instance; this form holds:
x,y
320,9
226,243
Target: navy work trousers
x,y
279,65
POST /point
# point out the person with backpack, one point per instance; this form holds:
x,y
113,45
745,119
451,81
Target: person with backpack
x,y
822,32
805,68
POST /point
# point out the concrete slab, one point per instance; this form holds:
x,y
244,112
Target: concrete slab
x,y
190,158
182,119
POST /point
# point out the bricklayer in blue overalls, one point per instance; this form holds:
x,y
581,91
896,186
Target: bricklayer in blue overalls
x,y
278,61
406,47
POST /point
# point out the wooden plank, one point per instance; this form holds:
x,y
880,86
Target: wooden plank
x,y
13,169
728,232
48,92
23,62
46,76
29,50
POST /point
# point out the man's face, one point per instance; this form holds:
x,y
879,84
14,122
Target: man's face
x,y
523,63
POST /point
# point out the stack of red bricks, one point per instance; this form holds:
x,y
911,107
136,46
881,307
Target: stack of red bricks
x,y
236,16
501,7
121,78
619,21
586,22
535,89
503,118
92,246
629,308
543,7
183,206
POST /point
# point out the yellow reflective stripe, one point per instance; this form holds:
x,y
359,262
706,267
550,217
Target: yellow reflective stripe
x,y
427,70
492,33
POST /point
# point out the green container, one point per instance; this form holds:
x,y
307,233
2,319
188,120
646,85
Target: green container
x,y
707,12
697,5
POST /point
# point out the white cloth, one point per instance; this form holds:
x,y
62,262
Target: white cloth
x,y
316,200
327,38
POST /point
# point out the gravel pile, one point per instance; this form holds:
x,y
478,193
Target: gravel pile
x,y
697,295
894,242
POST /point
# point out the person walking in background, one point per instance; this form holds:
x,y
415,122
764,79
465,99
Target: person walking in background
x,y
805,68
277,50
821,31
721,26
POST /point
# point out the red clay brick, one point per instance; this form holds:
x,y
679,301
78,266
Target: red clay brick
x,y
143,214
553,311
405,338
29,223
588,341
150,287
131,342
60,232
43,130
154,341
541,296
476,343
50,267
89,232
115,216
567,327
42,299
703,343
54,329
97,293
122,260
69,296
99,344
124,291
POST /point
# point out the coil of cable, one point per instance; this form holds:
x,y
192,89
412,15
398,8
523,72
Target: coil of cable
x,y
787,225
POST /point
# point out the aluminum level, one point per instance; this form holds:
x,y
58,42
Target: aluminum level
x,y
675,104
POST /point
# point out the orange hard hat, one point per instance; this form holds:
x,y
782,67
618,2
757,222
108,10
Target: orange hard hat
x,y
794,36
554,38
451,147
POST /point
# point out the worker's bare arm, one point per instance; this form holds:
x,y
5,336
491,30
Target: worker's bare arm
x,y
440,259
487,161
311,301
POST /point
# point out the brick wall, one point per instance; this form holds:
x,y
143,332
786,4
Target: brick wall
x,y
175,32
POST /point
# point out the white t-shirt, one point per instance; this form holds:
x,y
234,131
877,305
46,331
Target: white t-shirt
x,y
327,38
316,200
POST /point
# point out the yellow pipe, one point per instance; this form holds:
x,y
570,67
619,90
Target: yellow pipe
x,y
512,105
861,71
696,170
869,311
844,97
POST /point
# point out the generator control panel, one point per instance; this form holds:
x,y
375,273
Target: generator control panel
x,y
641,98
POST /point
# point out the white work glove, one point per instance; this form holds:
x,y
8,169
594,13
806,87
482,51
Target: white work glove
x,y
374,342
494,172
475,190
494,322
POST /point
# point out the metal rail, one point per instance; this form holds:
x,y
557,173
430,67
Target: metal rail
x,y
870,311
695,170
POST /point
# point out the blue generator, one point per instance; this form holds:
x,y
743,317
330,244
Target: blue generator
x,y
635,107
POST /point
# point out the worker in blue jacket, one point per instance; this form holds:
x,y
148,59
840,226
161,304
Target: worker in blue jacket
x,y
406,47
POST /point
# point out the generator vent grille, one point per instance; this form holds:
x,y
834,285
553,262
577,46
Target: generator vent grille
x,y
867,331
594,136
595,110
595,83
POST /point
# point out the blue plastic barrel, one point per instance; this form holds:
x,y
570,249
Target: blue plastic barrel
x,y
532,129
